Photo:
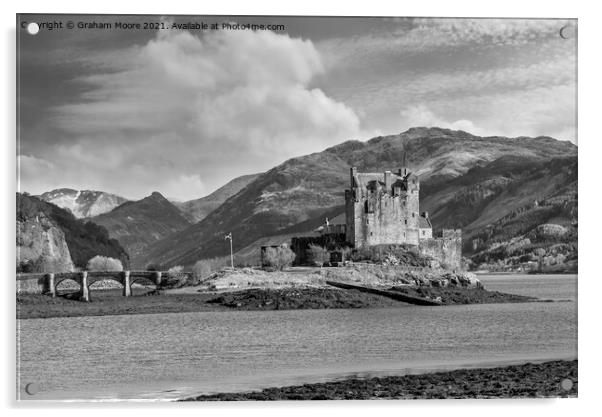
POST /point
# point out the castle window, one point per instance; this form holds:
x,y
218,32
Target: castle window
x,y
406,221
413,214
367,221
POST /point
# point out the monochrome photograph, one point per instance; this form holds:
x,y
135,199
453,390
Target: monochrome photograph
x,y
278,208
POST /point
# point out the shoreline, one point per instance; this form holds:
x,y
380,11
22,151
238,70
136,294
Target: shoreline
x,y
111,302
534,379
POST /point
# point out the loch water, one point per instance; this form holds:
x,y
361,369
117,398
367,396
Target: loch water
x,y
167,356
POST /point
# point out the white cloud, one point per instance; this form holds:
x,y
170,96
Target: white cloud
x,y
549,111
183,186
30,168
421,116
184,114
511,77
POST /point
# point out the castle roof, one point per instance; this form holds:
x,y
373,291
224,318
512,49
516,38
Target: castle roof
x,y
340,219
424,223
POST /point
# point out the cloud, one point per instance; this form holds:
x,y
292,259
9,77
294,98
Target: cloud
x,y
183,114
409,36
181,187
30,167
421,116
511,77
542,111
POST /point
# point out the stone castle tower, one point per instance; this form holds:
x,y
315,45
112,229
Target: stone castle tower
x,y
384,209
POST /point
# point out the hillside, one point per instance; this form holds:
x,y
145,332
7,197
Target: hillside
x,y
538,229
309,187
50,238
498,201
197,210
136,224
84,203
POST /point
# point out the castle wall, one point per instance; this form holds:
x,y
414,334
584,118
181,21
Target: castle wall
x,y
389,220
447,249
426,233
351,221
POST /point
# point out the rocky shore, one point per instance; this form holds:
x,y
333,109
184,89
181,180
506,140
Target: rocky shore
x,y
301,298
531,380
146,301
111,302
454,295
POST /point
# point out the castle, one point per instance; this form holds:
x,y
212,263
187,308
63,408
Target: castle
x,y
385,209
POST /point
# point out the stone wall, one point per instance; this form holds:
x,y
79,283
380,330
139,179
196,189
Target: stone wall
x,y
447,248
34,284
300,245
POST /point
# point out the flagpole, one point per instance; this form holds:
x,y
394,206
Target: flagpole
x,y
231,253
229,237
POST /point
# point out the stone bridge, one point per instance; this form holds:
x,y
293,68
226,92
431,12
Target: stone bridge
x,y
48,283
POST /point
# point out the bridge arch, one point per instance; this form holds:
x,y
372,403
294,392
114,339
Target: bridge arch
x,y
94,278
74,279
143,280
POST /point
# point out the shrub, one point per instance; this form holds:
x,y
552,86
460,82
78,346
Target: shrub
x,y
279,257
318,255
174,270
175,278
104,263
345,253
403,254
202,270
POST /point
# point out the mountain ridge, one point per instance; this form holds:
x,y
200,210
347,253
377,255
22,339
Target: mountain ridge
x,y
197,209
136,224
83,203
306,187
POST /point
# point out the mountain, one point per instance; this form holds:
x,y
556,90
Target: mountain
x,y
136,224
51,239
197,210
84,203
309,187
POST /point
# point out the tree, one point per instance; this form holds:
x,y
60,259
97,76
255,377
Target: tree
x,y
153,267
175,278
540,252
104,263
175,270
318,255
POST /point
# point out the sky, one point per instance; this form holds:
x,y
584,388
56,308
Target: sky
x,y
183,112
